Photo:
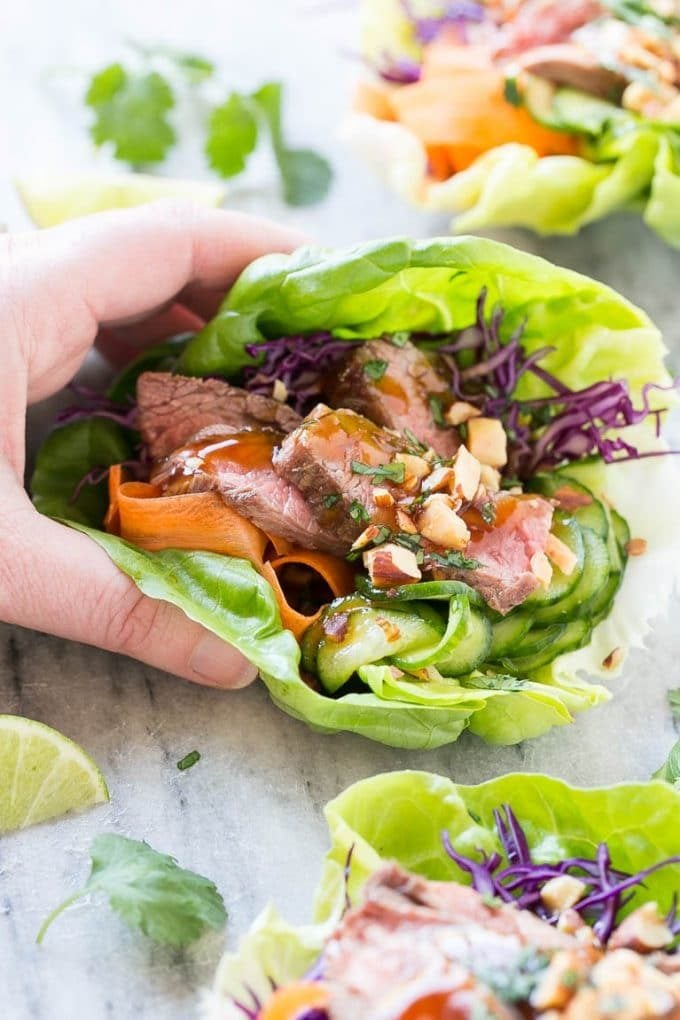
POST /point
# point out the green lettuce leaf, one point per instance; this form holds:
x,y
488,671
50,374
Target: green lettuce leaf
x,y
432,285
224,594
66,456
401,816
629,163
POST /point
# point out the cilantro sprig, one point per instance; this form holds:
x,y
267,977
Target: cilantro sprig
x,y
393,472
149,891
133,105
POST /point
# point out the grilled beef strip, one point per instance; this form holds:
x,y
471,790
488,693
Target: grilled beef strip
x,y
393,386
173,408
237,463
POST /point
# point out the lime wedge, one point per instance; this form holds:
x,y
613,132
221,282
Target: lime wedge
x,y
50,199
43,774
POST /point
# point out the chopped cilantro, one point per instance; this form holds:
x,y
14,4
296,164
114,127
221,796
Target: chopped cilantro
x,y
131,112
375,369
511,92
418,447
394,472
674,702
437,410
400,339
412,542
188,760
488,512
232,135
492,902
455,559
358,511
331,500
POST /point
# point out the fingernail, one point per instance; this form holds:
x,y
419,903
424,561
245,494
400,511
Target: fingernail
x,y
218,664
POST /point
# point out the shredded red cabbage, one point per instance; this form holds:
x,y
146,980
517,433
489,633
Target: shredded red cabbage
x,y
456,13
542,433
520,880
97,405
299,362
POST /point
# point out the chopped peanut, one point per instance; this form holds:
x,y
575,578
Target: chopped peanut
x,y
540,567
280,391
389,629
367,536
405,522
417,468
390,565
562,892
383,497
570,921
559,981
560,554
441,524
636,546
487,441
614,659
468,472
642,931
442,478
490,478
460,412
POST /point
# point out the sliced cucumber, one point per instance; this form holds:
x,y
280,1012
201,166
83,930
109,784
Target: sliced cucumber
x,y
575,634
596,566
309,646
507,633
568,531
577,111
370,634
430,590
456,629
537,639
601,604
536,94
593,516
471,650
621,533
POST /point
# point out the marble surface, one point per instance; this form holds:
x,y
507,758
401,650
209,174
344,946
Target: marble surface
x,y
249,813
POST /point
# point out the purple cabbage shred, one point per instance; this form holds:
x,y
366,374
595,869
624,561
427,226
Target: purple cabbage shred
x,y
521,879
454,13
299,362
544,432
97,405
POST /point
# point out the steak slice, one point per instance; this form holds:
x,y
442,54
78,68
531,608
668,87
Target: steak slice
x,y
392,386
317,459
173,408
504,550
237,463
433,943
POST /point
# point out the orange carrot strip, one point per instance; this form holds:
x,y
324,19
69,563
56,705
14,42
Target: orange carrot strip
x,y
293,1001
200,520
374,98
337,574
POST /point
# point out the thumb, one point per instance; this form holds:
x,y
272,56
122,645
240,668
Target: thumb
x,y
56,580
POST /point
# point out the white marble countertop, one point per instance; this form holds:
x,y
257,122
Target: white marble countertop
x,y
248,814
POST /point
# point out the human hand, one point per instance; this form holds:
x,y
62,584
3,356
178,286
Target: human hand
x,y
127,279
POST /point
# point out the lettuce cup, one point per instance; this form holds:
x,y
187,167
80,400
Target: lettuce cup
x,y
546,114
420,485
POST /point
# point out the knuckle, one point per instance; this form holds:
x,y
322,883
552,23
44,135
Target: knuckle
x,y
130,618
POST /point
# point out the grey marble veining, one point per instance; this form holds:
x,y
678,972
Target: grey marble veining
x,y
249,813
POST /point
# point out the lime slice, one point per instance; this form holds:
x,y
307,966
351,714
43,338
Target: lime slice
x,y
43,774
50,199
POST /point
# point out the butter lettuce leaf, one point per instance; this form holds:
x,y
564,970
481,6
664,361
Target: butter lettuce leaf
x,y
400,816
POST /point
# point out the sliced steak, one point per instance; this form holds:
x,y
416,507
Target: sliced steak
x,y
504,551
173,408
238,464
414,941
317,459
543,22
392,386
572,65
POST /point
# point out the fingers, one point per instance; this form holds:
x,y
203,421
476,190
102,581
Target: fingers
x,y
55,580
114,267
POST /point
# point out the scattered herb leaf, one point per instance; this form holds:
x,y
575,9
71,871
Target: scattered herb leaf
x,y
674,702
188,760
131,113
454,559
149,891
418,447
488,512
670,770
358,511
375,369
394,472
400,339
437,410
331,500
412,542
232,136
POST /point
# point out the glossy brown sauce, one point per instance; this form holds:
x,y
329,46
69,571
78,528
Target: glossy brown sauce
x,y
248,448
390,387
504,508
373,445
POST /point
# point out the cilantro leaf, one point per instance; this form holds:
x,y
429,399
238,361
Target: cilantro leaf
x,y
454,559
375,369
306,176
149,891
131,113
394,471
232,135
670,770
674,703
189,760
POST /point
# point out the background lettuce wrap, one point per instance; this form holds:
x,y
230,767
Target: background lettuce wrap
x,y
400,816
390,286
623,161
